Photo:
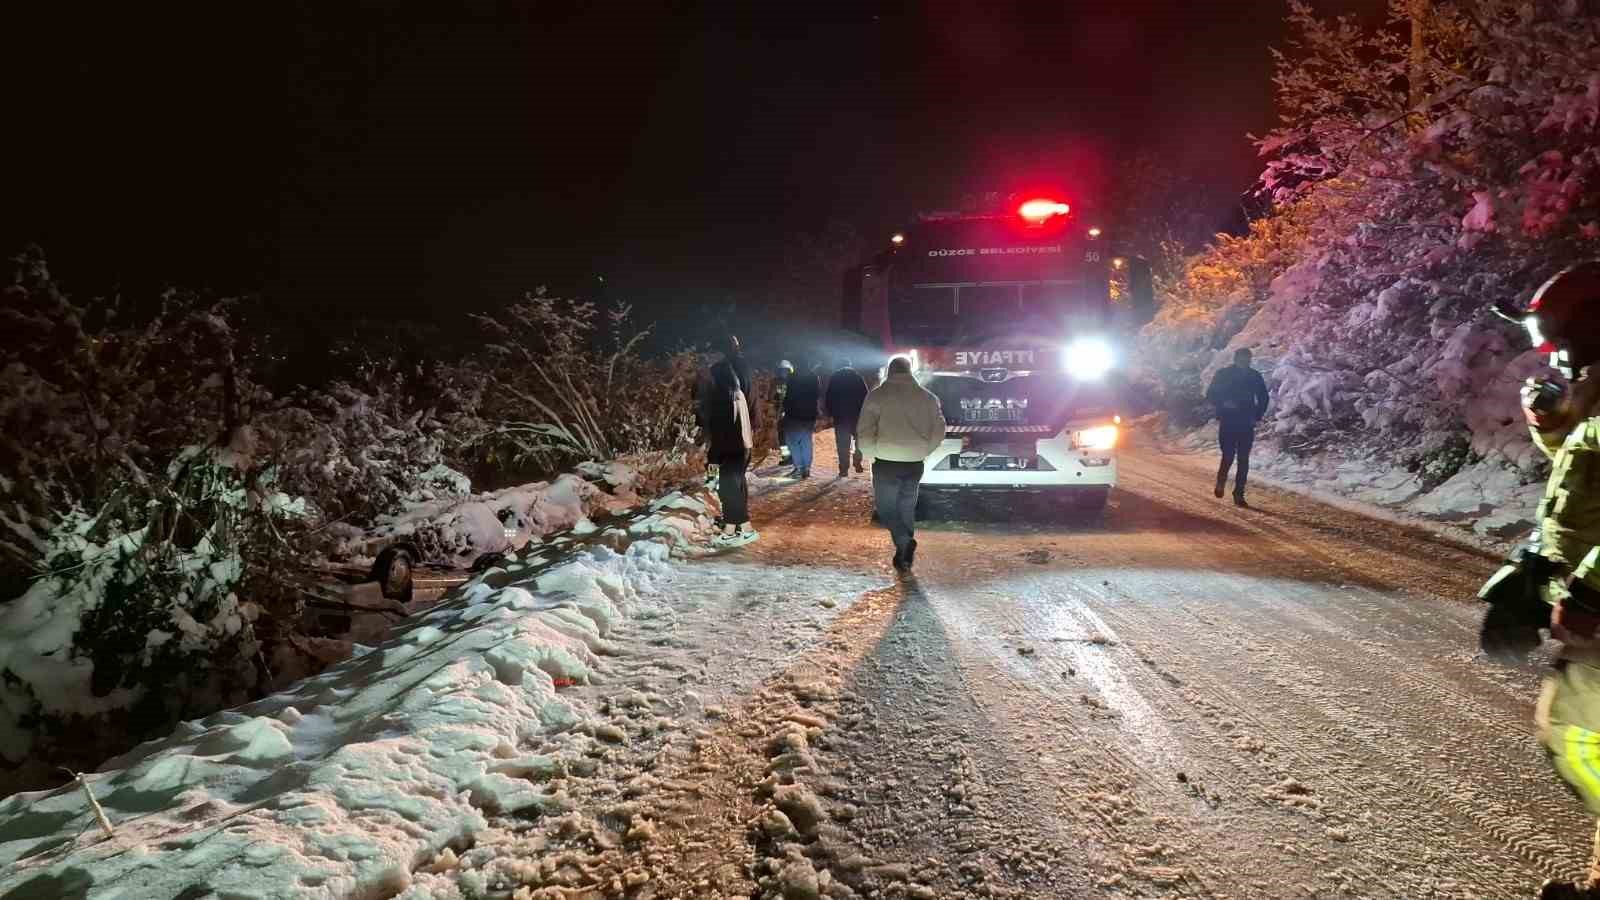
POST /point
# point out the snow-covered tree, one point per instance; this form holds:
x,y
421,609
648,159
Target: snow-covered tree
x,y
1399,223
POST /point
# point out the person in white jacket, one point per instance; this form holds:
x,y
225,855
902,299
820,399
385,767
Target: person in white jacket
x,y
901,424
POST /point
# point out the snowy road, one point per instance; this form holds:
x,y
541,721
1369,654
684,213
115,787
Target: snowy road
x,y
1182,700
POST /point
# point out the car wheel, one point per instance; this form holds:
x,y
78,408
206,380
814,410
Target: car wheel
x,y
392,572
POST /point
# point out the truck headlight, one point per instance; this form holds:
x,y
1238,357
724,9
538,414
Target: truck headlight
x,y
1088,358
1101,437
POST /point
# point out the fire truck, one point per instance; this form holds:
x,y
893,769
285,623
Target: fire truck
x,y
1009,318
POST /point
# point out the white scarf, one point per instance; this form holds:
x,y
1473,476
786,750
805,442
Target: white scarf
x,y
741,414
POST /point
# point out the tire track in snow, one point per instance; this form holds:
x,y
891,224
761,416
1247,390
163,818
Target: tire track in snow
x,y
1103,786
1396,784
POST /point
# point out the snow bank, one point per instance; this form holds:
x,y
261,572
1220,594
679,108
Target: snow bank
x,y
344,784
1494,502
46,639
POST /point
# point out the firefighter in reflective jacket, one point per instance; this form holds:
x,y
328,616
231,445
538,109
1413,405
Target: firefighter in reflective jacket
x,y
1564,320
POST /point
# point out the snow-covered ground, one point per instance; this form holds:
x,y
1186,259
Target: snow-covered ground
x,y
343,784
1129,706
1486,502
50,679
531,694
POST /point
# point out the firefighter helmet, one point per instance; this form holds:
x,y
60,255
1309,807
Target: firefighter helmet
x,y
1566,309
1562,317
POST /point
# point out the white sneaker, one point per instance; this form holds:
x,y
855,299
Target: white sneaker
x,y
737,538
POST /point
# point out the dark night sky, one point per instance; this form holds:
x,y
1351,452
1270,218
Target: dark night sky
x,y
358,162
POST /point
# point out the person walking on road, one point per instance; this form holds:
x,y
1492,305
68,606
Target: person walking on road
x,y
801,400
729,431
1557,584
1240,396
901,424
784,372
847,390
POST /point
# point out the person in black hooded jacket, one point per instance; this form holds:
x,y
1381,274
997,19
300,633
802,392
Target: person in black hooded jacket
x,y
842,400
725,416
1240,395
801,400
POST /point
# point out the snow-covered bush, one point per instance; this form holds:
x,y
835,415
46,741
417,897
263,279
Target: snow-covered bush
x,y
1366,294
158,508
131,511
566,382
363,448
97,399
161,512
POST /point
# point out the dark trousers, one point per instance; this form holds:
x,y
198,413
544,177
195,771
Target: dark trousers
x,y
1236,439
894,491
732,488
844,432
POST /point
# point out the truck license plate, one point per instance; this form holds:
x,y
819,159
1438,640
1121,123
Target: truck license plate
x,y
995,415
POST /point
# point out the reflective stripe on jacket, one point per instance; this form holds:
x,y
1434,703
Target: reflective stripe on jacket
x,y
1569,514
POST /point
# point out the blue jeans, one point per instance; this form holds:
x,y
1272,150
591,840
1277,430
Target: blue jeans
x,y
895,486
797,435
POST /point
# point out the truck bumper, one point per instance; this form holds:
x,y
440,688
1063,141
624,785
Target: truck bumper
x,y
1058,465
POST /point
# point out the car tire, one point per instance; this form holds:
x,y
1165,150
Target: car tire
x,y
1091,500
392,571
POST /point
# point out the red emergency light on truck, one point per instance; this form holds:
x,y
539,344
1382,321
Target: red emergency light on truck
x,y
1008,318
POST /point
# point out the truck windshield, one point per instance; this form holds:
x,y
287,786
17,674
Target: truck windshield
x,y
940,313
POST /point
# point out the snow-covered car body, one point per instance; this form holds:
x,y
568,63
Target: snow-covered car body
x,y
1007,319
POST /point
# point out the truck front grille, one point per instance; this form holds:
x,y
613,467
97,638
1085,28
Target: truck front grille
x,y
1000,429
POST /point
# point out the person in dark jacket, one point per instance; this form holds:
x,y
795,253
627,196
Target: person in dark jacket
x,y
1240,396
842,400
780,390
726,417
801,399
